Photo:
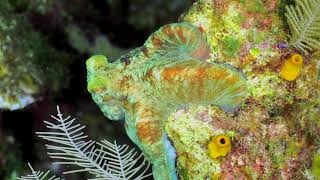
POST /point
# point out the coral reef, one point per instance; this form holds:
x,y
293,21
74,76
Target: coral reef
x,y
24,70
14,64
275,133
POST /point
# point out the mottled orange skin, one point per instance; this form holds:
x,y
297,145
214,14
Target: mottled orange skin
x,y
162,76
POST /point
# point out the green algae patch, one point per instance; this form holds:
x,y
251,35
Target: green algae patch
x,y
238,30
231,46
255,52
269,89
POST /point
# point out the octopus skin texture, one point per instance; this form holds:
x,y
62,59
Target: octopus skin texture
x,y
168,72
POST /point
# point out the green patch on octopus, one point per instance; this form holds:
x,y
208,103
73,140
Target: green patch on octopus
x,y
201,15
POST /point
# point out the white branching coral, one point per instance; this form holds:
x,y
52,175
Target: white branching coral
x,y
68,145
304,22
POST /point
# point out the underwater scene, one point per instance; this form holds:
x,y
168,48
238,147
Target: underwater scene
x,y
160,90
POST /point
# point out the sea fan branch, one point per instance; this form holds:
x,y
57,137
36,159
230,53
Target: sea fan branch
x,y
105,160
304,22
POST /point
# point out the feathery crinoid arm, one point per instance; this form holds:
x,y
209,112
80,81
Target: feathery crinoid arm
x,y
304,22
68,145
38,175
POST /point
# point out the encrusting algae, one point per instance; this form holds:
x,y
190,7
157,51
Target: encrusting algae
x,y
291,67
220,145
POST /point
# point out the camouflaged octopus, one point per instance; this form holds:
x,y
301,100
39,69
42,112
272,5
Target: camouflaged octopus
x,y
168,72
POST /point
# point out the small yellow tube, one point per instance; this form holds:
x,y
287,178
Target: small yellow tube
x,y
220,145
291,67
215,176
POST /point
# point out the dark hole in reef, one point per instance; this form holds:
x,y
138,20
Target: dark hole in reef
x,y
222,141
297,59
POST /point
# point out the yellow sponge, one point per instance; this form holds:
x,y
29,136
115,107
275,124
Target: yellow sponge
x,y
291,67
220,145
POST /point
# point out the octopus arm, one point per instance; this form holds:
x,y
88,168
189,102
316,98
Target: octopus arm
x,y
177,41
144,126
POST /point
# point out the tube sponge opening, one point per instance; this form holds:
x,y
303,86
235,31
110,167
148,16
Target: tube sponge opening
x,y
291,67
220,145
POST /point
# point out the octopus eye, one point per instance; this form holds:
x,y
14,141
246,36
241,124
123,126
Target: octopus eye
x,y
97,79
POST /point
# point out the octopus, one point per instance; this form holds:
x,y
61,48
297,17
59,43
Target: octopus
x,y
170,71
